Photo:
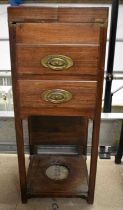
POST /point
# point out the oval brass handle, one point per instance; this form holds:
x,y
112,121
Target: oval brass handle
x,y
56,96
57,62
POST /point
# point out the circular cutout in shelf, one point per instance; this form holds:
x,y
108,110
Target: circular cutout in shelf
x,y
57,172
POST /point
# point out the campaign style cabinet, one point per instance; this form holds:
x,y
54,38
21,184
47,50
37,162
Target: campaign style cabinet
x,y
57,60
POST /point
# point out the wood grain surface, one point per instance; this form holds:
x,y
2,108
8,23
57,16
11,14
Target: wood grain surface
x,y
83,95
81,34
84,57
40,185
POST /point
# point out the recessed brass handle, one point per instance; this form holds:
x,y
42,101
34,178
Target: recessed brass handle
x,y
57,62
56,96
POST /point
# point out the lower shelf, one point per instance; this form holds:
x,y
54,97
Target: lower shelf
x,y
58,176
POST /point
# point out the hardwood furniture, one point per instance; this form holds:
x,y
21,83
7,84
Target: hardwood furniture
x,y
57,58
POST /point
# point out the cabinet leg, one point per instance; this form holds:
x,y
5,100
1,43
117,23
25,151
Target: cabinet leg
x,y
85,136
21,159
23,197
32,147
93,164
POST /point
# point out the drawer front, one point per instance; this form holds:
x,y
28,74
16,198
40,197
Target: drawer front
x,y
57,60
60,33
57,96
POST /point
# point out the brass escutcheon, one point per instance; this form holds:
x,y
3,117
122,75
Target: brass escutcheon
x,y
56,96
57,62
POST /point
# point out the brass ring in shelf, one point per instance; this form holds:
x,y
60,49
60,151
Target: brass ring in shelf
x,y
57,172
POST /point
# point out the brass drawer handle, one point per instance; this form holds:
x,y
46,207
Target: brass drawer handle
x,y
57,62
56,96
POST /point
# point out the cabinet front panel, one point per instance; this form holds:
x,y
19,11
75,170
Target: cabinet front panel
x,y
57,33
57,94
84,58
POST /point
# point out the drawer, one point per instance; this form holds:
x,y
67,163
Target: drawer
x,y
79,60
60,33
57,97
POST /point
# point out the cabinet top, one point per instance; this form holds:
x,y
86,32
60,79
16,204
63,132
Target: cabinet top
x,y
57,13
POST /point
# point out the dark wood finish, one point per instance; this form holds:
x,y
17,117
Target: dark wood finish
x,y
60,33
76,13
58,130
85,60
76,185
37,31
30,93
18,121
96,122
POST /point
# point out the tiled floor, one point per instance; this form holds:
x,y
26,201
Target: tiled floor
x,y
108,195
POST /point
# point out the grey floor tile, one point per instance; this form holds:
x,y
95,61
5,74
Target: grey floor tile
x,y
7,207
9,183
9,191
